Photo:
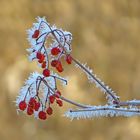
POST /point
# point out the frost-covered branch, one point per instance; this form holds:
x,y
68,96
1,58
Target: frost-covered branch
x,y
49,45
111,96
102,111
130,103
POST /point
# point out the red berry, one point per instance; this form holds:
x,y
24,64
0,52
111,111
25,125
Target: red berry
x,y
59,102
49,111
57,94
52,98
55,51
41,59
43,64
22,105
38,55
42,115
36,34
46,72
37,106
54,63
32,102
69,59
59,67
30,110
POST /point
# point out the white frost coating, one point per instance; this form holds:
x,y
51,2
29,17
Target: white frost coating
x,y
30,85
61,79
99,84
64,38
134,101
101,111
40,24
31,81
45,28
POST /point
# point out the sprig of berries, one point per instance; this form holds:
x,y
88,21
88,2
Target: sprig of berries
x,y
48,58
34,105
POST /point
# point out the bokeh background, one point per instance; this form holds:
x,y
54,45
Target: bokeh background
x,y
106,35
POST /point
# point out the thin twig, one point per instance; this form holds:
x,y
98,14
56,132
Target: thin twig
x,y
107,108
78,63
65,99
104,87
130,103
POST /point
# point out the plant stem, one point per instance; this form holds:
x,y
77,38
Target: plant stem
x,y
109,92
79,64
104,87
65,99
106,108
130,103
74,103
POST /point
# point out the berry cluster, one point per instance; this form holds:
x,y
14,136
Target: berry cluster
x,y
32,102
55,51
56,63
34,105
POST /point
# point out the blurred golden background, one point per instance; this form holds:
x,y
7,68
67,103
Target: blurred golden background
x,y
105,35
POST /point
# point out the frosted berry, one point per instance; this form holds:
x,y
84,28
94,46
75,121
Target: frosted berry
x,y
59,67
57,94
37,106
55,51
59,102
36,34
40,61
68,59
22,105
30,110
43,64
46,72
42,58
32,102
42,115
38,55
54,63
49,111
52,98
